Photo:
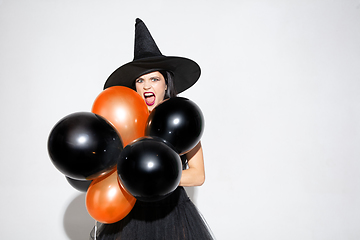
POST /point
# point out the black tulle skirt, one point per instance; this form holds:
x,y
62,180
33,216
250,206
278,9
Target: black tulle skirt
x,y
173,218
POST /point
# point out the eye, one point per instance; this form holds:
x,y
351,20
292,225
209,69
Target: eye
x,y
155,79
139,80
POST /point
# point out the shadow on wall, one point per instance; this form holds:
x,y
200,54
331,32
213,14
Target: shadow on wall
x,y
192,193
77,222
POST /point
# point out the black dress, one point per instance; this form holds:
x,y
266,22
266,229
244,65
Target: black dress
x,y
172,218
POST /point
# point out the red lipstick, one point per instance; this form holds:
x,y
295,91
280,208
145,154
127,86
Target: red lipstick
x,y
149,98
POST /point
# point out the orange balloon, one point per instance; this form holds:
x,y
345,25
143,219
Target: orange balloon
x,y
107,201
125,109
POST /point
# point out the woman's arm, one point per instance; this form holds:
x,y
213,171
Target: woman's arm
x,y
195,174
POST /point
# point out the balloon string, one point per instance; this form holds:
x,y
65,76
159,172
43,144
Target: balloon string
x,y
95,230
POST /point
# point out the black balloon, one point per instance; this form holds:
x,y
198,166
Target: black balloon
x,y
84,146
179,122
80,185
149,169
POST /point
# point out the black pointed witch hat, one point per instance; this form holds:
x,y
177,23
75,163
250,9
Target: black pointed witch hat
x,y
148,58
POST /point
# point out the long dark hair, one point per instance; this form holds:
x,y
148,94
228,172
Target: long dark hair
x,y
169,80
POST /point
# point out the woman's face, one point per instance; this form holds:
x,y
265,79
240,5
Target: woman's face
x,y
151,87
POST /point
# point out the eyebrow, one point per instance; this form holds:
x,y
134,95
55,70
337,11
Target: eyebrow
x,y
156,76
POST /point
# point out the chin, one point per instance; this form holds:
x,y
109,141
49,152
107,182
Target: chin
x,y
152,106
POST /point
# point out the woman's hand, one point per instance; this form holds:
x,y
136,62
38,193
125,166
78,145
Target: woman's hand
x,y
195,174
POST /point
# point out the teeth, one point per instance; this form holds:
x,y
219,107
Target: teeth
x,y
148,94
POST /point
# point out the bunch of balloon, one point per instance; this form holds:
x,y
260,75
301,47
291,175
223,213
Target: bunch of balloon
x,y
150,168
106,200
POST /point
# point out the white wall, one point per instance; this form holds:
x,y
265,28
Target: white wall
x,y
279,90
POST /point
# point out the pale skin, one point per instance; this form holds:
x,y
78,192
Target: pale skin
x,y
151,87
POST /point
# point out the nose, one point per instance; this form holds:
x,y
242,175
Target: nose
x,y
146,85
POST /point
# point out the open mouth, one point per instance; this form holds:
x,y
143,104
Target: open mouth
x,y
149,98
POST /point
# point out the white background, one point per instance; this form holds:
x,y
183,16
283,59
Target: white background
x,y
279,91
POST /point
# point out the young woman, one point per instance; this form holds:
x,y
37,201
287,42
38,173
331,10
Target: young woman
x,y
156,77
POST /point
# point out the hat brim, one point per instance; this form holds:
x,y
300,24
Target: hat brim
x,y
185,71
